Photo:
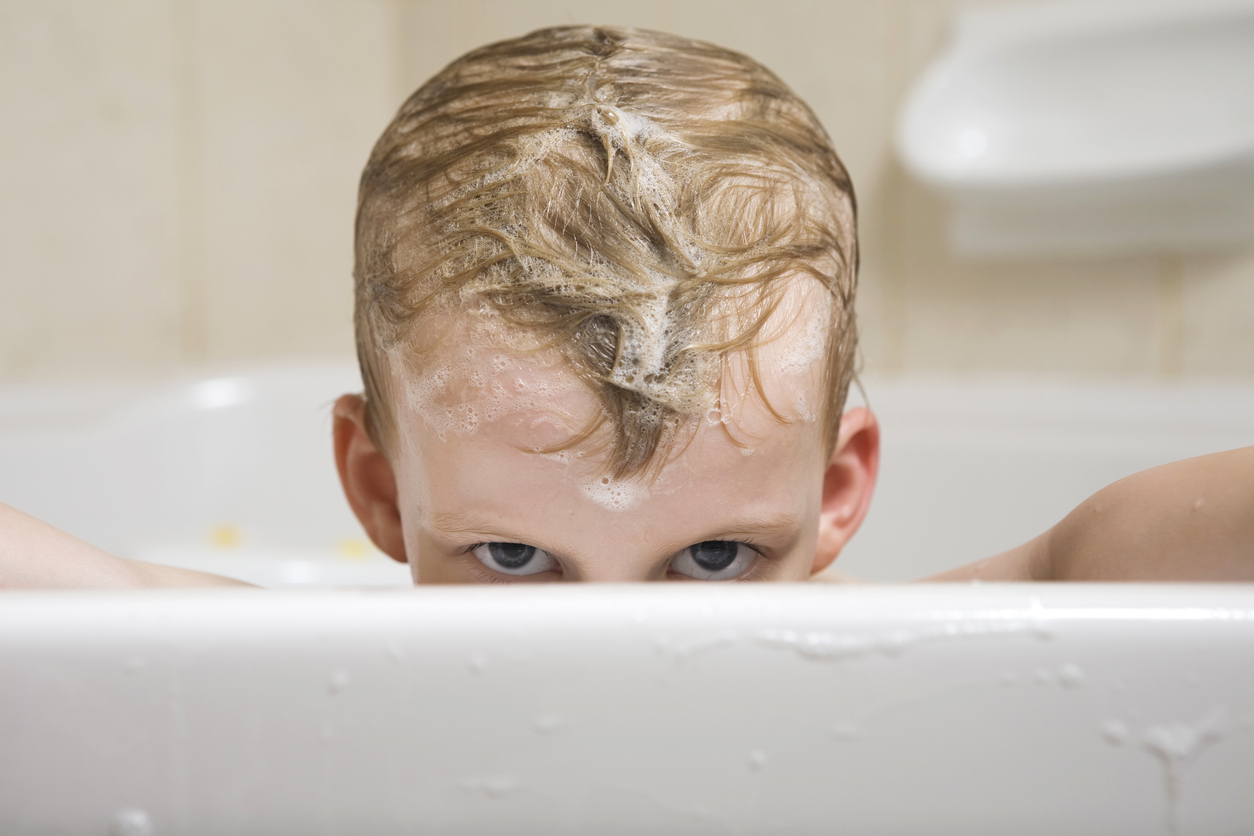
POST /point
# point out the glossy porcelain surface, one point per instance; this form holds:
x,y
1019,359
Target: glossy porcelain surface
x,y
687,710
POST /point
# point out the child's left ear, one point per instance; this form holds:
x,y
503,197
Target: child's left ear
x,y
847,484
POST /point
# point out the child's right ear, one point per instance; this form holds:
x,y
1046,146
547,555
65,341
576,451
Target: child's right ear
x,y
367,477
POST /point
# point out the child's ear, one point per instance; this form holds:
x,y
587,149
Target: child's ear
x,y
367,477
847,484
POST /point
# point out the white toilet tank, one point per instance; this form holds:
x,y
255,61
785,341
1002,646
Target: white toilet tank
x,y
1090,127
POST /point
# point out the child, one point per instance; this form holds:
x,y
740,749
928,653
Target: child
x,y
605,283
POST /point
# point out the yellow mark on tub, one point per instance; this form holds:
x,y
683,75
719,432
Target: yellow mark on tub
x,y
225,537
353,548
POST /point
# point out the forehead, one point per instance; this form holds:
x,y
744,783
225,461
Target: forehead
x,y
468,374
480,420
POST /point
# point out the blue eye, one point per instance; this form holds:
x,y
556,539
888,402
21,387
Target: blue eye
x,y
514,558
714,560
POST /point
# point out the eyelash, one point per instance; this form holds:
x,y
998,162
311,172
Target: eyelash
x,y
756,570
482,573
485,575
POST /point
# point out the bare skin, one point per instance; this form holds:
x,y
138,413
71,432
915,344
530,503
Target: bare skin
x,y
466,478
1190,520
34,555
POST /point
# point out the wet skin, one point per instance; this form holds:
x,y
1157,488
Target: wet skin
x,y
755,498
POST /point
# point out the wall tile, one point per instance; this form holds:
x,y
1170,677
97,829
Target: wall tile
x,y
1218,317
292,96
89,281
1054,316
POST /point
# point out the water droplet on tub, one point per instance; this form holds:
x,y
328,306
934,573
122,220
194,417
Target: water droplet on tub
x,y
135,664
478,662
1115,732
1176,745
546,724
131,821
757,760
897,642
1009,677
846,731
1044,677
1040,626
493,786
1071,676
339,681
394,651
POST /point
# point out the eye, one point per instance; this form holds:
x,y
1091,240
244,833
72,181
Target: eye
x,y
514,558
714,560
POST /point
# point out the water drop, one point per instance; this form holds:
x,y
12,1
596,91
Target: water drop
x,y
493,786
131,821
339,681
1071,676
846,731
1115,732
1044,677
897,643
757,760
546,724
478,662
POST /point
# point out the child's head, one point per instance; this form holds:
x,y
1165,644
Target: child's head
x,y
605,283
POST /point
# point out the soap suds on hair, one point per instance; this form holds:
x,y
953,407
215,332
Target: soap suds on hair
x,y
808,348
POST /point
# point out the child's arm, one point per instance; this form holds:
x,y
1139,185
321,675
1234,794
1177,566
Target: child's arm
x,y
34,555
1191,520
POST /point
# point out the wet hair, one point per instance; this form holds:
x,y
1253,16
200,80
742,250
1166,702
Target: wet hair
x,y
636,201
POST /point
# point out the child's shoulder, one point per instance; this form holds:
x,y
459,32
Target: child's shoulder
x,y
1191,520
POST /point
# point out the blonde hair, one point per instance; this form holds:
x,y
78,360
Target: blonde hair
x,y
638,201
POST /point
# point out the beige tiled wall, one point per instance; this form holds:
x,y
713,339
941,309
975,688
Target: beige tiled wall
x,y
177,181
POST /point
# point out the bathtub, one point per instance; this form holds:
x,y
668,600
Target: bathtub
x,y
935,709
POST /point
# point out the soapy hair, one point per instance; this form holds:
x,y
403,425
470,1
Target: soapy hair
x,y
638,202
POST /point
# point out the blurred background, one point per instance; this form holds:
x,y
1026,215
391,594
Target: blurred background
x,y
177,187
